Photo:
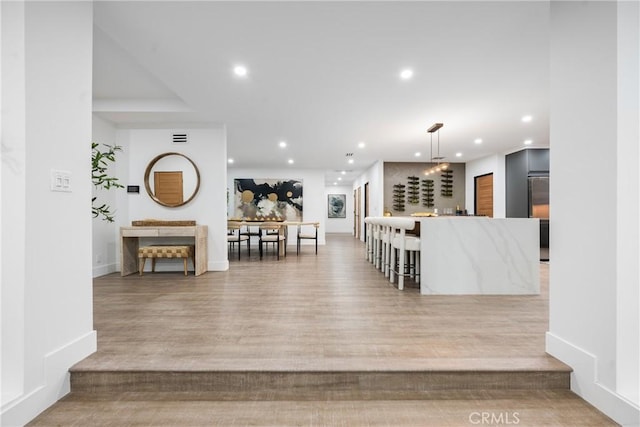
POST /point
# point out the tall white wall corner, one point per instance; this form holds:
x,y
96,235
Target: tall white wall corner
x,y
585,382
56,382
628,202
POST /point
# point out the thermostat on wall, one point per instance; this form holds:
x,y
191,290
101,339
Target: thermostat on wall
x,y
133,188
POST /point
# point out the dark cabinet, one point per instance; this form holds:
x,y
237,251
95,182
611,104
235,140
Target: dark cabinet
x,y
527,188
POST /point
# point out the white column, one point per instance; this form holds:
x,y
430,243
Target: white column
x,y
590,220
47,290
12,191
628,206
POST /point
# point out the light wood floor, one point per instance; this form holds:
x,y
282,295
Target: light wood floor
x,y
329,313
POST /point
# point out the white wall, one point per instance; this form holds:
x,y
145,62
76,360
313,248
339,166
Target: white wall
x,y
12,200
340,225
314,202
207,148
375,177
588,310
494,164
104,233
52,315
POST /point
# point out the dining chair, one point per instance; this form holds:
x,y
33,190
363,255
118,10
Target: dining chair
x,y
234,236
272,232
308,235
250,231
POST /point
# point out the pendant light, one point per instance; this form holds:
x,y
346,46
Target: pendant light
x,y
438,167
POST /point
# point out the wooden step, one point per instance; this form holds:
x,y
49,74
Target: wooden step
x,y
316,385
524,408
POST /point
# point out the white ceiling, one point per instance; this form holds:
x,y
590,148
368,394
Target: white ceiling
x,y
324,76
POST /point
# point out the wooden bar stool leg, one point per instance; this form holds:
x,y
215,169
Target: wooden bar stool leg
x,y
185,265
141,263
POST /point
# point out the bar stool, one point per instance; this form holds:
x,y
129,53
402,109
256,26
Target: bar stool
x,y
401,244
385,241
375,244
368,241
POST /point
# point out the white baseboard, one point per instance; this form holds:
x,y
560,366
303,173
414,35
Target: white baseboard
x,y
55,383
585,382
218,265
102,270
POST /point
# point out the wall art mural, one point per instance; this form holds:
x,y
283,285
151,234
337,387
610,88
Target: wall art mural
x,y
337,205
268,199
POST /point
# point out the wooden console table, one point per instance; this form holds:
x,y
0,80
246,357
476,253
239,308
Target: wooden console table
x,y
130,237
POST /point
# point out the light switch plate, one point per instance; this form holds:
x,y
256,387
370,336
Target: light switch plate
x,y
60,180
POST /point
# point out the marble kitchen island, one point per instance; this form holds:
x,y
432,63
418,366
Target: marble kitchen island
x,y
479,255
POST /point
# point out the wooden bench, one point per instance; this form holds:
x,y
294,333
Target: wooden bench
x,y
165,251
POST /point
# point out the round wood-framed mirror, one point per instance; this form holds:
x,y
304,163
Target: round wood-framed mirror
x,y
172,179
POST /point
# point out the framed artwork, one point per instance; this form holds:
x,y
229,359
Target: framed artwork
x,y
337,205
270,199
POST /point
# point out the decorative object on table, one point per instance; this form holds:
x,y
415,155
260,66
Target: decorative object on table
x,y
427,193
446,186
163,223
278,199
398,197
424,214
413,190
99,167
337,206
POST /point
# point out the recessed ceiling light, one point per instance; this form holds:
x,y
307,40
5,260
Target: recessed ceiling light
x,y
240,71
282,144
361,144
343,172
528,142
339,178
478,140
350,161
458,154
418,154
290,161
335,183
406,74
527,118
229,160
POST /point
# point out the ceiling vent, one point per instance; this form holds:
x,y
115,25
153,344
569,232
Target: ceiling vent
x,y
349,155
180,138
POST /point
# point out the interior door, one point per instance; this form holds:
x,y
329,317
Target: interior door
x,y
484,195
356,212
167,186
366,206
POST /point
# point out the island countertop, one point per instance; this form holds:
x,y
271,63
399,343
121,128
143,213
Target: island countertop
x,y
479,255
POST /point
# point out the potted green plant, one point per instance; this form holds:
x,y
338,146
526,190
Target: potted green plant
x,y
100,161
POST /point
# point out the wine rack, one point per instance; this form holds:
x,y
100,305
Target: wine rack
x,y
427,193
413,190
446,183
398,197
